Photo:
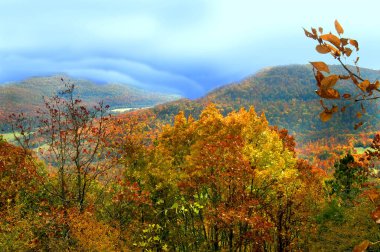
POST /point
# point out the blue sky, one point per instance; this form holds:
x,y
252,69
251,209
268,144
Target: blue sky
x,y
187,47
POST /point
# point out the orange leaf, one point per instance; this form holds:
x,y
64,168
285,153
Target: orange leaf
x,y
346,96
325,116
353,42
358,115
338,27
321,66
362,247
363,86
332,94
322,49
328,93
329,81
332,39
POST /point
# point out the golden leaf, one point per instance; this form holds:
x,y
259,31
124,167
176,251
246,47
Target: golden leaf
x,y
354,43
332,39
338,27
329,81
362,247
358,115
321,66
322,49
325,116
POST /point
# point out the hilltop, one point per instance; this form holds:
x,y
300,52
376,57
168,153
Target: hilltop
x,y
26,96
286,95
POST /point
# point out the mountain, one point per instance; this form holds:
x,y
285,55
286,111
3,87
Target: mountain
x,y
286,94
27,95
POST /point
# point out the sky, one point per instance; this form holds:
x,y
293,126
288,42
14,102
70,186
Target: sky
x,y
187,47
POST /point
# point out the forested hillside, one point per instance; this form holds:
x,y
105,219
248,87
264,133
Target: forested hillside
x,y
286,95
26,96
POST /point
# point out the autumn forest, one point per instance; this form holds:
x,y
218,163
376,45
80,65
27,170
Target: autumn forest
x,y
252,166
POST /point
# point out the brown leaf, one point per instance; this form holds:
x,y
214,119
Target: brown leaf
x,y
319,77
344,41
329,81
333,50
362,247
322,49
354,43
321,66
334,109
343,109
332,39
325,116
309,34
338,27
314,31
347,51
344,77
346,96
320,29
357,126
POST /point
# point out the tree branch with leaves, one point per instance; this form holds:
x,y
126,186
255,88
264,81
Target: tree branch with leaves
x,y
340,48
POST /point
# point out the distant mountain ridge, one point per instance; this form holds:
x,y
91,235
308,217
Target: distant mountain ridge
x,y
286,94
27,95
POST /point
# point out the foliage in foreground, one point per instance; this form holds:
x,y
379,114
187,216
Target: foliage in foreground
x,y
218,183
